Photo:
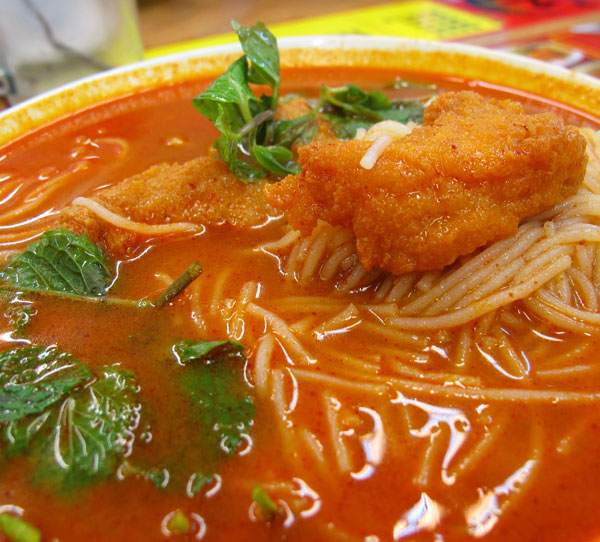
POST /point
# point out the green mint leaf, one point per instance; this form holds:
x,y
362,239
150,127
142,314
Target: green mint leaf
x,y
300,130
60,261
19,315
260,46
351,101
159,477
34,378
213,380
74,427
92,431
229,151
405,112
345,128
229,89
377,100
186,351
276,158
19,435
18,530
244,120
349,108
231,106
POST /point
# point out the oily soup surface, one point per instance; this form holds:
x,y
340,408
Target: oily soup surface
x,y
355,435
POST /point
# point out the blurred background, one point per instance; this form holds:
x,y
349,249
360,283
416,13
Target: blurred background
x,y
44,43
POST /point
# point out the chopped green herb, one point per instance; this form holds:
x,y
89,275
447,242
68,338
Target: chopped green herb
x,y
71,266
196,482
159,477
277,159
179,284
179,523
267,507
61,262
18,530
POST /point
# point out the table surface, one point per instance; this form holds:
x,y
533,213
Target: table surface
x,y
169,21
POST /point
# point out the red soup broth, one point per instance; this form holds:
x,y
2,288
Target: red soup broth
x,y
342,442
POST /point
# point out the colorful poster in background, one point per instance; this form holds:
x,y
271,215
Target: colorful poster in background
x,y
558,31
424,19
562,32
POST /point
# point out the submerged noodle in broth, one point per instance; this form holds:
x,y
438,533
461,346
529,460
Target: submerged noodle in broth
x,y
442,405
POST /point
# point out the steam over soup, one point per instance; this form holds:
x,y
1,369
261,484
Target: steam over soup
x,y
180,362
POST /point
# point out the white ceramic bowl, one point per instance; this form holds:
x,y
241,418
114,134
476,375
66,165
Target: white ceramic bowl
x,y
497,68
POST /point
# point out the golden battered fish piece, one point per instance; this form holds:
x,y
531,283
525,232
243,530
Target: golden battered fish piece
x,y
202,191
465,178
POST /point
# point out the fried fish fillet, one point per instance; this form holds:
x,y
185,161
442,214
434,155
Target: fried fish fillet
x,y
202,191
465,178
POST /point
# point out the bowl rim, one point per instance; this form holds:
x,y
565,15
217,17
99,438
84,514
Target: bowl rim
x,y
42,109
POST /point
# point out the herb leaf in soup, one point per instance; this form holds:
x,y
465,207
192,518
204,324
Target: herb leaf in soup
x,y
252,143
349,108
229,101
34,378
186,351
245,121
277,159
230,105
260,46
75,428
158,476
299,130
197,481
214,382
61,261
19,314
93,429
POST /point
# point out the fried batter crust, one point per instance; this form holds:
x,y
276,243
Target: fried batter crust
x,y
467,177
201,191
